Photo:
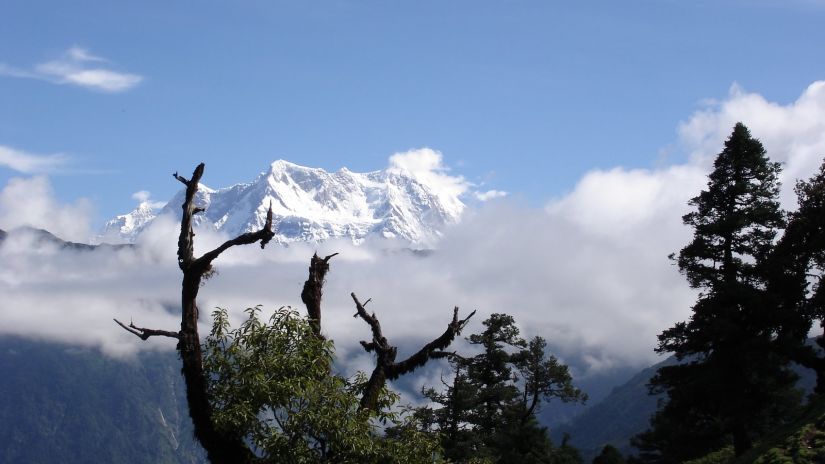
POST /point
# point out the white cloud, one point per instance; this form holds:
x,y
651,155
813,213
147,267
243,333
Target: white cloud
x,y
141,196
144,197
426,165
490,194
30,202
616,201
77,66
29,163
81,54
793,134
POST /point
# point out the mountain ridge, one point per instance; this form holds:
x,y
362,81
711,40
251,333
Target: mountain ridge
x,y
311,204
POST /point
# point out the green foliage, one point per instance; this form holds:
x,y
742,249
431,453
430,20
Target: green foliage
x,y
805,446
272,381
722,456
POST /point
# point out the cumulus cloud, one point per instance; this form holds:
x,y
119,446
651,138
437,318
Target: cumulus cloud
x,y
141,196
30,202
30,163
618,201
793,134
427,166
144,197
77,66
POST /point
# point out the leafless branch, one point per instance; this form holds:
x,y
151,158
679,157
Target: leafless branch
x,y
385,367
145,333
181,178
432,349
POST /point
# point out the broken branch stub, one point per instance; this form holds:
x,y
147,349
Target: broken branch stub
x,y
313,290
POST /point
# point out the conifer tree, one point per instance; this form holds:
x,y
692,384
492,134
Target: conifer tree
x,y
488,412
731,383
797,266
451,420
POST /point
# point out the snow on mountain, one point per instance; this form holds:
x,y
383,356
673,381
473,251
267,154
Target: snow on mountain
x,y
123,228
310,204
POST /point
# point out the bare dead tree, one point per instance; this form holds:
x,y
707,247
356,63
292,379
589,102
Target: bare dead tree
x,y
385,366
221,446
313,290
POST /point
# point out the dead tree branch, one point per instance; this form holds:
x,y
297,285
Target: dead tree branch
x,y
385,366
144,333
313,290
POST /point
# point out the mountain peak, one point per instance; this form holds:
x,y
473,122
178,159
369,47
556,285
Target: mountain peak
x,y
282,164
311,204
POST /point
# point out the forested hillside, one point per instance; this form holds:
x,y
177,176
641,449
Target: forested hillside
x,y
80,406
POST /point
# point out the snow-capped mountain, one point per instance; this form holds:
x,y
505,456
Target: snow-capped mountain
x,y
310,204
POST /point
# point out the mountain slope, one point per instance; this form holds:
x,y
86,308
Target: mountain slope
x,y
310,204
82,407
622,414
626,412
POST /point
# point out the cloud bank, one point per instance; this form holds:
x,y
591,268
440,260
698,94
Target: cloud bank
x,y
79,67
589,271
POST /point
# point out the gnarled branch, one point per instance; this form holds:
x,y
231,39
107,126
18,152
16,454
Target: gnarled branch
x,y
431,350
385,367
265,234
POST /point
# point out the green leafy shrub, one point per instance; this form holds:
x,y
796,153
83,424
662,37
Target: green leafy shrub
x,y
274,382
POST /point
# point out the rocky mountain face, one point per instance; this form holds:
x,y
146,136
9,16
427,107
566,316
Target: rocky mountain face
x,y
311,204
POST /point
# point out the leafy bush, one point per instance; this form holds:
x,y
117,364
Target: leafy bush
x,y
274,382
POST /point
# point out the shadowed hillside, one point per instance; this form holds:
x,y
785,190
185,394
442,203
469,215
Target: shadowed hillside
x,y
84,407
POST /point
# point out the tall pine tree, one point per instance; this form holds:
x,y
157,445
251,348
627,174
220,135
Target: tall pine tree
x,y
731,384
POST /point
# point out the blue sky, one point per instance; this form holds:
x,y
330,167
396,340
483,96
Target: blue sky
x,y
525,97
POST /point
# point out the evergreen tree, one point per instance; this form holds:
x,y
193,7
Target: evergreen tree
x,y
544,377
451,420
797,266
731,382
491,372
488,412
609,455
